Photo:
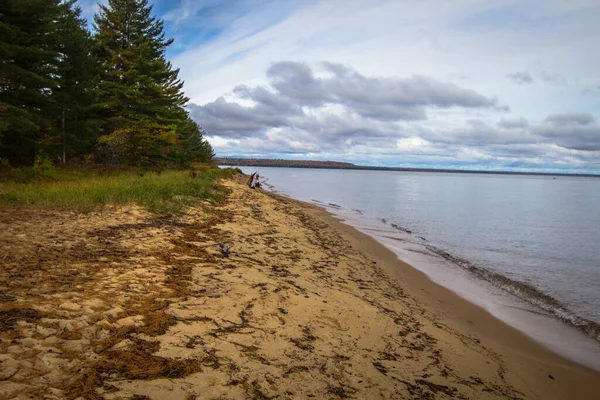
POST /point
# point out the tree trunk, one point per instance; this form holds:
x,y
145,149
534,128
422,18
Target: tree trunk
x,y
64,139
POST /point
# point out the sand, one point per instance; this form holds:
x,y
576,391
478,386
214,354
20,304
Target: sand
x,y
124,304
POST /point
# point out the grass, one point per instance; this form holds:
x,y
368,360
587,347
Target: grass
x,y
84,190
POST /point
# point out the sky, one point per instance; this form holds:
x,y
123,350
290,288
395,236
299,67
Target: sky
x,y
468,84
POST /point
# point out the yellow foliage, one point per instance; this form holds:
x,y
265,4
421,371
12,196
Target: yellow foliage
x,y
142,142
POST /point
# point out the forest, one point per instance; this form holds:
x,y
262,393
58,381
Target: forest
x,y
74,92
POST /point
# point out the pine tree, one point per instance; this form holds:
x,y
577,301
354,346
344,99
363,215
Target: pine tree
x,y
27,66
138,87
73,93
194,147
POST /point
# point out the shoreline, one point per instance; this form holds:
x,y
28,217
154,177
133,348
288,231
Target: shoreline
x,y
523,306
241,162
464,314
299,306
543,326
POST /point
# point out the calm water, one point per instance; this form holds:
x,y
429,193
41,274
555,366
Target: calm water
x,y
531,241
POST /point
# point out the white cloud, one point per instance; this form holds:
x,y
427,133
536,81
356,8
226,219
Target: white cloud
x,y
400,38
413,144
475,44
89,8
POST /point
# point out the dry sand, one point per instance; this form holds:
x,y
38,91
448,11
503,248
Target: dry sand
x,y
124,304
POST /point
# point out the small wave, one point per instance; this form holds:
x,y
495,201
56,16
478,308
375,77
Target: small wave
x,y
398,227
521,290
524,292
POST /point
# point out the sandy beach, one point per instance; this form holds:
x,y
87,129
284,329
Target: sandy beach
x,y
123,304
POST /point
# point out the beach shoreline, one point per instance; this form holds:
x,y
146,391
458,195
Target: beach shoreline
x,y
467,315
571,341
302,306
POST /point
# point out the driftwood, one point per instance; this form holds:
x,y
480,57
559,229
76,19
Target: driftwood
x,y
253,181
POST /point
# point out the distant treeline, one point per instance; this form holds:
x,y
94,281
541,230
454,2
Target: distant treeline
x,y
264,162
71,96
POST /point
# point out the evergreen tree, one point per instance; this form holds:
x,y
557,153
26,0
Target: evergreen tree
x,y
27,67
73,94
194,147
138,87
65,93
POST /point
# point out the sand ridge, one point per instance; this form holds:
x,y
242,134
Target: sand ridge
x,y
128,305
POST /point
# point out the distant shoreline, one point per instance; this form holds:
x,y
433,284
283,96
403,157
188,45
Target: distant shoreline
x,y
258,162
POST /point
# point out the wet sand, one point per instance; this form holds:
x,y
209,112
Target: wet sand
x,y
121,304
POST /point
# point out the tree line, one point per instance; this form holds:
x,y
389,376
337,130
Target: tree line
x,y
109,95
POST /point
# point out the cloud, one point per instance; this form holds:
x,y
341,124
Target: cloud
x,y
592,90
231,120
553,79
476,133
401,98
570,118
575,131
408,86
332,111
520,78
513,123
338,103
89,8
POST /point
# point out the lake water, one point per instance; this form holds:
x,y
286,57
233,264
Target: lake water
x,y
526,248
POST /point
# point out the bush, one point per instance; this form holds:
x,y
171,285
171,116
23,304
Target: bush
x,y
42,170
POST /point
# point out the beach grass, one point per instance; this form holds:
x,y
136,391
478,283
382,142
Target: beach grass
x,y
89,189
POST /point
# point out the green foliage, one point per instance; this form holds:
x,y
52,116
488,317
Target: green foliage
x,y
42,170
27,63
140,99
194,148
168,192
140,143
73,94
67,94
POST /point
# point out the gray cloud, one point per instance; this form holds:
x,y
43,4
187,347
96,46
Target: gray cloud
x,y
571,131
592,90
338,111
479,134
553,79
520,78
400,97
369,104
571,118
513,123
575,131
232,120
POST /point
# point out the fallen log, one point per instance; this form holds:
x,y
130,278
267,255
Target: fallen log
x,y
253,181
